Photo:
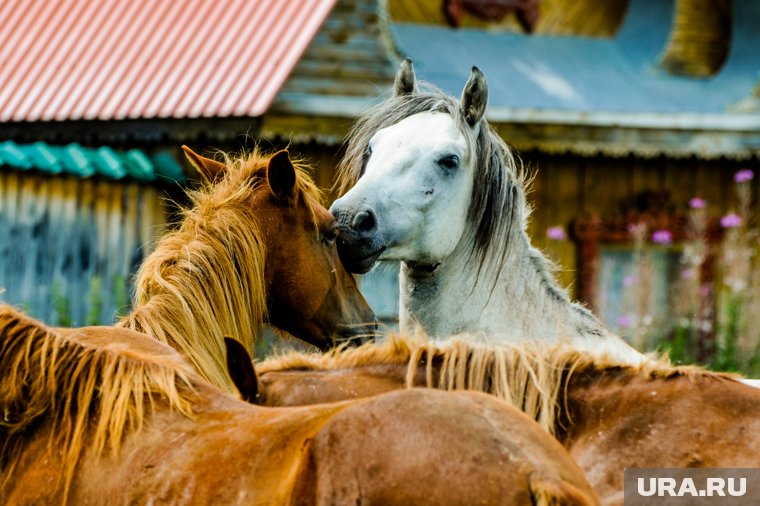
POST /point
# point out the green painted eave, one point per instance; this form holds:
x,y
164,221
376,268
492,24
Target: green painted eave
x,y
85,162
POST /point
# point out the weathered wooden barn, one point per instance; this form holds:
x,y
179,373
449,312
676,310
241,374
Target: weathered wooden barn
x,y
75,223
624,109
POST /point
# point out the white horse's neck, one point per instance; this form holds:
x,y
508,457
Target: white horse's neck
x,y
516,300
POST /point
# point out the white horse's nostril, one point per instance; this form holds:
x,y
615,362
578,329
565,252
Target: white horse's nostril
x,y
364,222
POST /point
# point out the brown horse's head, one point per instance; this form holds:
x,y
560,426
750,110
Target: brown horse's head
x,y
309,293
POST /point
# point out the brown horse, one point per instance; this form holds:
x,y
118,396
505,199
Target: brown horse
x,y
103,415
256,246
608,416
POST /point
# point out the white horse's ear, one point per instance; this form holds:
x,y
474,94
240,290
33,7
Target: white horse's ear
x,y
406,82
475,97
209,169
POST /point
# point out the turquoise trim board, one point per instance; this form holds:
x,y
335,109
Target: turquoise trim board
x,y
86,162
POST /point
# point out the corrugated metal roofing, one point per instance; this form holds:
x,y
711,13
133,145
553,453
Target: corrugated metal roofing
x,y
86,162
90,59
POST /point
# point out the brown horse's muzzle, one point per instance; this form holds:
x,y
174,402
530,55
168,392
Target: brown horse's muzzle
x,y
355,335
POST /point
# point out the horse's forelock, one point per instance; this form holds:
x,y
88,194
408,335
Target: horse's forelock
x,y
249,172
246,172
383,115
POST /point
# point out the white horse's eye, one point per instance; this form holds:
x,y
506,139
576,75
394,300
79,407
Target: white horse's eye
x,y
449,162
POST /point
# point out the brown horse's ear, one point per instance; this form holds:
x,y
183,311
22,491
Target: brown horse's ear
x,y
406,82
475,97
240,369
211,170
281,176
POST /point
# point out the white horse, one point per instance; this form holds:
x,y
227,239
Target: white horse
x,y
427,182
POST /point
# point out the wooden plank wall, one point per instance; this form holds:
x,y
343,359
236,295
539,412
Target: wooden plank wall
x,y
73,242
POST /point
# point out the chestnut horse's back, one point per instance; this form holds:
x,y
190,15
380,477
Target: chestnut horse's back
x,y
460,448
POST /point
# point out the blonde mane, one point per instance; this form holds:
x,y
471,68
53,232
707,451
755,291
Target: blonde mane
x,y
533,376
205,280
82,395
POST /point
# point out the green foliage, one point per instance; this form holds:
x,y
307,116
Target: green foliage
x,y
725,354
733,351
724,349
120,294
61,305
95,302
681,346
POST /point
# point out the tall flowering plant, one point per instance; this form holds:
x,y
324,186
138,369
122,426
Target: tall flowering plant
x,y
693,322
737,344
729,338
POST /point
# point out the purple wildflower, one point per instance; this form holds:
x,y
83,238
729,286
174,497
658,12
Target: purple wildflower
x,y
697,203
743,176
731,220
662,237
629,280
688,273
556,233
624,321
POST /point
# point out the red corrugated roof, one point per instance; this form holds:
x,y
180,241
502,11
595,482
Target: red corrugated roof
x,y
117,59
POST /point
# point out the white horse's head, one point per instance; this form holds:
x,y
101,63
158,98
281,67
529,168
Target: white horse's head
x,y
423,174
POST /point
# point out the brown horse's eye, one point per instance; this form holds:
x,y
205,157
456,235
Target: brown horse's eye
x,y
329,235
